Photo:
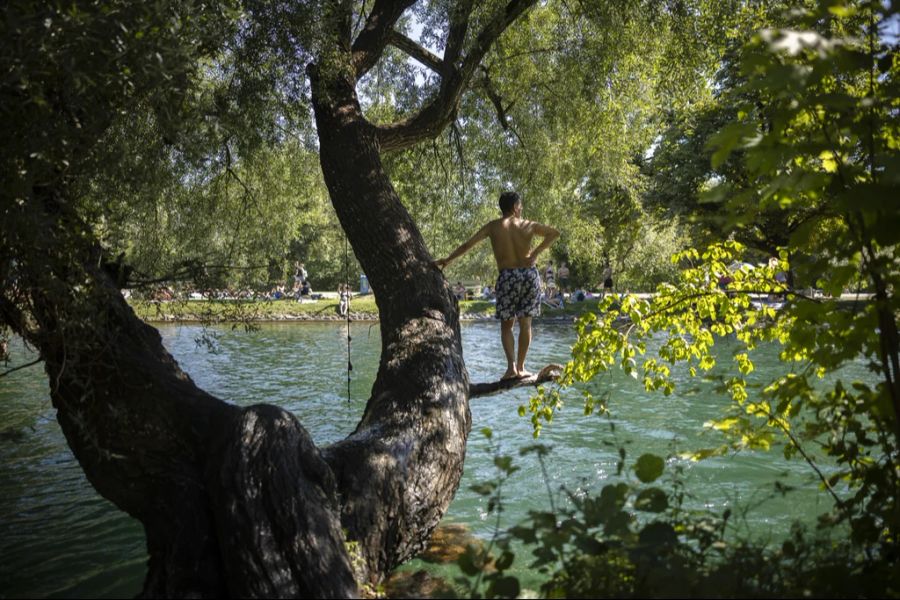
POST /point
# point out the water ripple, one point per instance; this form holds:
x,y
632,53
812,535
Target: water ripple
x,y
58,538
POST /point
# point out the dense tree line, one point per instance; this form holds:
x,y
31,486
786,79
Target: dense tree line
x,y
566,111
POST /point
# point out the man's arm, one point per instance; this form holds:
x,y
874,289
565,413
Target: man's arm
x,y
549,235
465,247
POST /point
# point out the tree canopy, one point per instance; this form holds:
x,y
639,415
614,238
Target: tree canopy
x,y
215,143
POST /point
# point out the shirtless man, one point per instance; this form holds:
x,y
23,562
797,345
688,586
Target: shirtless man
x,y
518,287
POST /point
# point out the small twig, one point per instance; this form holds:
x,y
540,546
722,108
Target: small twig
x,y
8,371
809,460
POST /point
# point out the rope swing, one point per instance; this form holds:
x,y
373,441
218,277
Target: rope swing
x,y
349,337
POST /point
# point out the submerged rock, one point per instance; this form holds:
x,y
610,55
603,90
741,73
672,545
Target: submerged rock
x,y
448,543
418,584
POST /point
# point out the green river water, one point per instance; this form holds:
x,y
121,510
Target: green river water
x,y
59,538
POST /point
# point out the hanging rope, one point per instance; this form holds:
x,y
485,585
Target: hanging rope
x,y
347,291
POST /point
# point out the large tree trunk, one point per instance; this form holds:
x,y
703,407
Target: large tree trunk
x,y
239,501
399,470
234,501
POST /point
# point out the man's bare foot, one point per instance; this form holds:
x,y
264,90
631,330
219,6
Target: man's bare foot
x,y
510,374
523,374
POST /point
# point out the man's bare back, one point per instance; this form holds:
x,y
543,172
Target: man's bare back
x,y
511,238
511,241
518,286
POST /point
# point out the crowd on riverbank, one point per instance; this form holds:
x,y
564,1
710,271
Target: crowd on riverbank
x,y
298,302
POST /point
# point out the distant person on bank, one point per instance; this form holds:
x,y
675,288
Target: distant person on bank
x,y
563,275
518,288
344,299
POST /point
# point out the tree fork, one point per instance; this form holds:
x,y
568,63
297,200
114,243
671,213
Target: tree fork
x,y
399,470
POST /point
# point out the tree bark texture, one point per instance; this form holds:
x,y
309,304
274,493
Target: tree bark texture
x,y
549,373
234,501
239,501
399,470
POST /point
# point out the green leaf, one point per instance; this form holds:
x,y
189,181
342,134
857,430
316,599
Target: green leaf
x,y
649,467
600,510
504,587
483,489
543,519
652,500
732,136
543,556
590,546
504,561
526,534
658,534
539,449
469,561
504,463
618,524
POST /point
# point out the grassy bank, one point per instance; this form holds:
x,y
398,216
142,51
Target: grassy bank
x,y
361,308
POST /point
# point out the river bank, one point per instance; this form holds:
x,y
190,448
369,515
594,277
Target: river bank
x,y
362,308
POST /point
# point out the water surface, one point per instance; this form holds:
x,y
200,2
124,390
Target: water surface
x,y
59,538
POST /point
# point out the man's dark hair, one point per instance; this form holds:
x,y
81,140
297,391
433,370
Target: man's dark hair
x,y
508,201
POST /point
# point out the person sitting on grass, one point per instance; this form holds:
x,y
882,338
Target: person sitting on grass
x,y
553,298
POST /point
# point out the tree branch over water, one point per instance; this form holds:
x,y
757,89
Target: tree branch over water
x,y
549,373
30,364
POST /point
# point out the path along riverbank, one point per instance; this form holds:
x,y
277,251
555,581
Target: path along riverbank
x,y
362,308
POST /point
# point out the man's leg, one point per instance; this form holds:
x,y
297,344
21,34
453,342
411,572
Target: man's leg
x,y
524,342
509,347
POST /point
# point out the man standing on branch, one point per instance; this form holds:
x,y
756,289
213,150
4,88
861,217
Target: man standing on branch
x,y
518,286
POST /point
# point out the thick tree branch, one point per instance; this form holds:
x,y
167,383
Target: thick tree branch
x,y
492,31
416,51
459,26
397,472
549,373
370,43
494,96
441,110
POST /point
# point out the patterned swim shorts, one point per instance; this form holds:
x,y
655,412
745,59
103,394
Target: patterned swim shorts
x,y
518,293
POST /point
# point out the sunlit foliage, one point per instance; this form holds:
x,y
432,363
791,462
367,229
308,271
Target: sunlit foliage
x,y
826,143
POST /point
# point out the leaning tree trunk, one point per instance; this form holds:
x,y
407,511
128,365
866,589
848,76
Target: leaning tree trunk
x,y
239,501
234,501
399,470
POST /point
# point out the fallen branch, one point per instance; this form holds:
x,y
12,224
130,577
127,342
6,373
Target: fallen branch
x,y
549,373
